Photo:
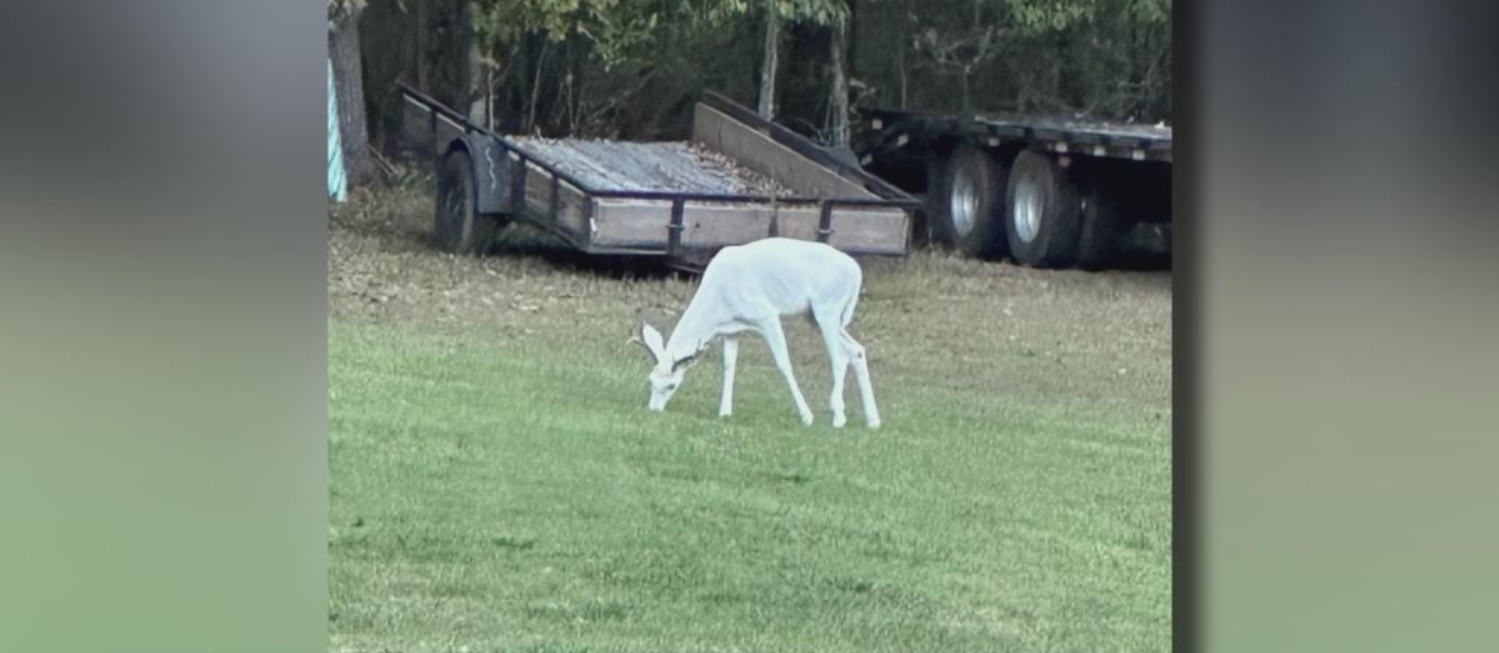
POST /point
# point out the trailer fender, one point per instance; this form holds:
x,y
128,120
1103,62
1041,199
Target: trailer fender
x,y
491,169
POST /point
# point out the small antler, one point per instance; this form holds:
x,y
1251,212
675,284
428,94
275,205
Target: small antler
x,y
635,340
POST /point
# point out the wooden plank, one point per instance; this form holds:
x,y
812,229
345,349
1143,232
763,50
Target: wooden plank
x,y
572,206
638,166
761,153
638,223
870,230
630,223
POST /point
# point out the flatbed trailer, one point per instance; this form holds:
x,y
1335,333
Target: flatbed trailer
x,y
1043,190
656,199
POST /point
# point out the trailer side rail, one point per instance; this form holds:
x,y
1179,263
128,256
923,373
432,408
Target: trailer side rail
x,y
895,129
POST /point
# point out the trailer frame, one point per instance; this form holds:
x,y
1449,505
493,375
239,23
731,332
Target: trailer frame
x,y
1088,193
496,157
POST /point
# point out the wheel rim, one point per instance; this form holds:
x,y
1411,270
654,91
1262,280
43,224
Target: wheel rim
x,y
964,206
1028,208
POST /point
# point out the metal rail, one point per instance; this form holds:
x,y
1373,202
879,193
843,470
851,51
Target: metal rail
x,y
1094,138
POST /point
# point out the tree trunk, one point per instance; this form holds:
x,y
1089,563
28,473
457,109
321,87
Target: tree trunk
x,y
541,61
852,51
421,48
348,85
768,63
517,82
900,66
477,80
838,101
966,106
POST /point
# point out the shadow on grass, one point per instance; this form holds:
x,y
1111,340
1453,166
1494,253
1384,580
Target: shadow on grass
x,y
530,243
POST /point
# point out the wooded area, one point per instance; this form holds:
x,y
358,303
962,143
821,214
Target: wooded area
x,y
630,69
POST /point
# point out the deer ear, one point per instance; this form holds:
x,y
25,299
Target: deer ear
x,y
685,362
653,341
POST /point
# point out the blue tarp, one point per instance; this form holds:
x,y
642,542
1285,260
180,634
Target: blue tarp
x,y
337,185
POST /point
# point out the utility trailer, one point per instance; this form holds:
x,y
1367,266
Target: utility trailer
x,y
1045,191
661,198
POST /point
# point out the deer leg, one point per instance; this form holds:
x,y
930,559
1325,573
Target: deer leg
x,y
771,330
730,354
861,372
832,336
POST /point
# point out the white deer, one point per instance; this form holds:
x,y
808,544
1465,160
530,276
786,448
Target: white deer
x,y
749,288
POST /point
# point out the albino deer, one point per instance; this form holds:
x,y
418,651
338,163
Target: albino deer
x,y
749,288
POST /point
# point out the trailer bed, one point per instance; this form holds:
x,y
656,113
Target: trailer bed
x,y
670,166
738,179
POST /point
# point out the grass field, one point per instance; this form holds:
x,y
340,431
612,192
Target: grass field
x,y
497,484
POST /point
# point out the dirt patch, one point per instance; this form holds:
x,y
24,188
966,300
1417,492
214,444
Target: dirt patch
x,y
383,267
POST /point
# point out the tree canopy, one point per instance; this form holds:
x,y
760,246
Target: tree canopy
x,y
629,68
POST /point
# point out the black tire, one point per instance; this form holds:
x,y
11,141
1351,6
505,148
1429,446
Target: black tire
x,y
459,228
964,205
1042,218
1098,244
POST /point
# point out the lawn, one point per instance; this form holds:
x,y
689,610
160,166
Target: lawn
x,y
497,484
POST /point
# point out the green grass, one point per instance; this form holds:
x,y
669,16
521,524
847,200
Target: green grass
x,y
508,493
497,484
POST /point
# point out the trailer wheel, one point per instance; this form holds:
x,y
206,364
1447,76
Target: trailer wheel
x,y
1098,240
459,228
965,207
1042,217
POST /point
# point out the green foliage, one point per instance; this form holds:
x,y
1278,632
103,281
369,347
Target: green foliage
x,y
815,12
1099,58
629,68
613,27
1040,15
1035,16
337,9
620,30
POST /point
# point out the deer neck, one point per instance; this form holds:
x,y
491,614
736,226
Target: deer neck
x,y
699,324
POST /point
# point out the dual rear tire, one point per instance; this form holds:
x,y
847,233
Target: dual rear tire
x,y
1033,209
1043,212
965,207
